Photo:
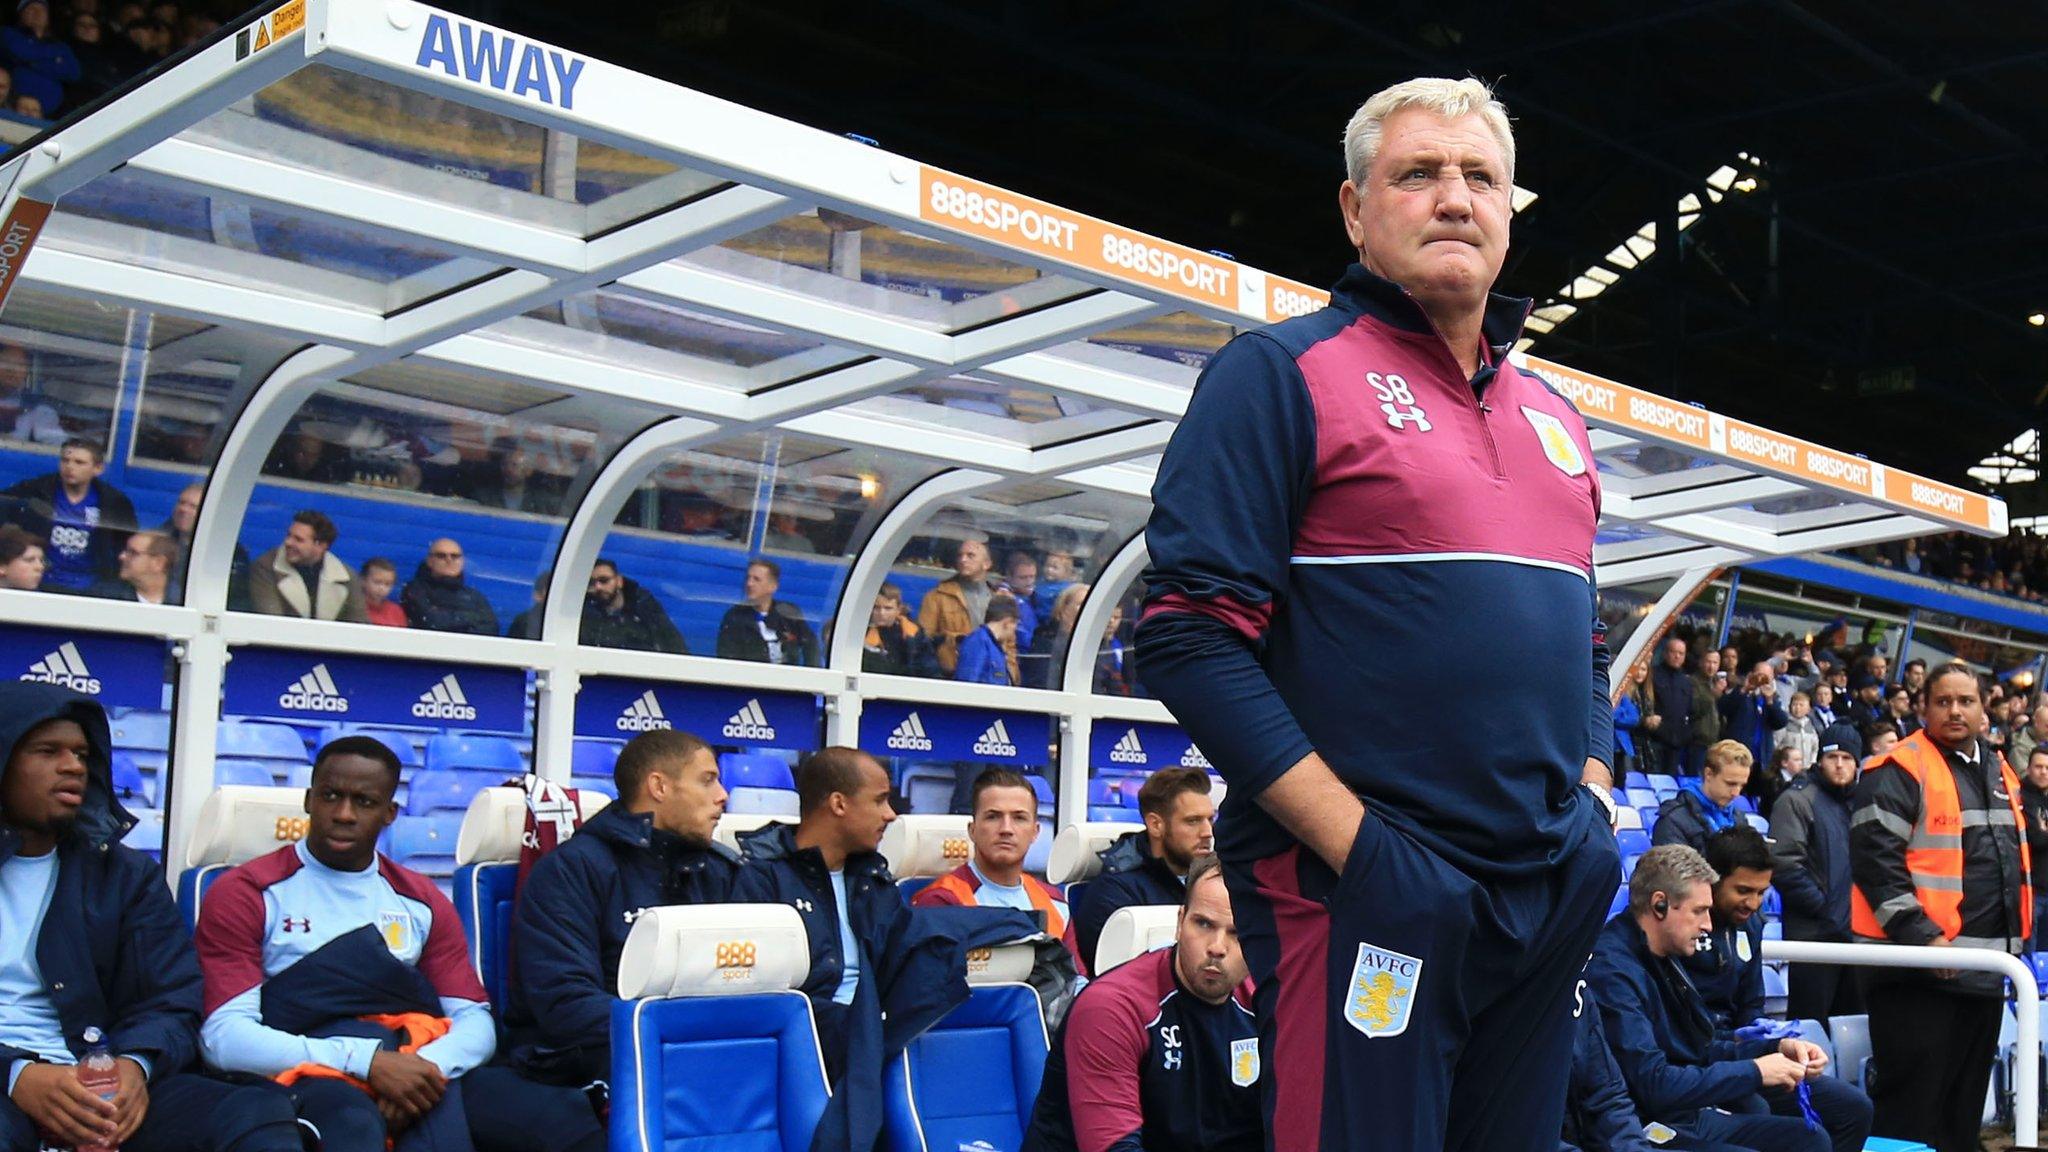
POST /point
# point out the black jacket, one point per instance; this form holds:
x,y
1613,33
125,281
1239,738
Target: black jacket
x,y
775,871
1728,972
114,951
1598,1114
574,914
1130,875
1810,851
642,624
1674,703
444,605
1991,863
31,504
2034,802
739,635
1682,820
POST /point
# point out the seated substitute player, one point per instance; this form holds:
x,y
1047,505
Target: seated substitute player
x,y
1599,1116
89,938
1146,867
1713,1087
1162,1052
347,977
1002,829
829,868
651,847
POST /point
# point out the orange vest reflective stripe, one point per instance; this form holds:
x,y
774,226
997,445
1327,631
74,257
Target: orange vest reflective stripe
x,y
1934,850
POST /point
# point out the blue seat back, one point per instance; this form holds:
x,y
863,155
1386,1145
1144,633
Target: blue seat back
x,y
129,787
910,886
238,771
971,1081
426,844
192,886
149,731
602,785
760,1051
483,900
594,757
1852,1047
403,743
1632,841
432,791
259,740
485,753
755,770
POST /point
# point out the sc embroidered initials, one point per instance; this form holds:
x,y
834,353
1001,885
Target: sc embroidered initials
x,y
1397,402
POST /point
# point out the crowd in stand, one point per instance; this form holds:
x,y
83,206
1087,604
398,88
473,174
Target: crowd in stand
x,y
2015,566
54,59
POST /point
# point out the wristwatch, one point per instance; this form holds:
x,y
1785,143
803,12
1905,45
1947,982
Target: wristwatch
x,y
1605,800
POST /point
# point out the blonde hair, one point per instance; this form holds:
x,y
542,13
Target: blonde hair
x,y
1448,98
1727,754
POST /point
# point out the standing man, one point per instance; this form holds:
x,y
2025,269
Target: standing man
x,y
1673,690
1752,715
2034,802
1940,858
1414,913
1810,849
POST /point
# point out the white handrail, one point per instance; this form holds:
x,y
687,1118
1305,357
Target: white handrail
x,y
2026,996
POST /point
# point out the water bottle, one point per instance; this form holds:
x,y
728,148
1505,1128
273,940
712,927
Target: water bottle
x,y
97,1073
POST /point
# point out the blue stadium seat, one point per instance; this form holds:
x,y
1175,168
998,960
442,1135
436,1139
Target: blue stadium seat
x,y
1628,866
192,886
1042,788
402,742
483,753
1813,1031
1774,930
148,834
259,740
426,844
129,786
483,900
1774,982
1664,794
1774,904
971,1081
445,791
1641,797
1661,780
760,1050
1627,817
1074,893
1851,1035
257,772
1649,814
1100,814
1632,841
758,783
1745,804
1635,780
1757,821
1619,904
594,757
910,886
1103,793
149,731
599,784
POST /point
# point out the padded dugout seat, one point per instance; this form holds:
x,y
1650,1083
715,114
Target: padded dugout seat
x,y
972,1079
1134,930
486,870
237,824
709,996
1077,850
926,847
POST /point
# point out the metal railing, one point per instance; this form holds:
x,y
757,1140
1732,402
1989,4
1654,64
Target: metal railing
x,y
2026,1002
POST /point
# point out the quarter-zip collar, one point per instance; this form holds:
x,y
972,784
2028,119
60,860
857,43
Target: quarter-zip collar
x,y
1368,294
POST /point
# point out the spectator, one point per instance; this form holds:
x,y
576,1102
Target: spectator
x,y
1162,1052
652,847
1879,738
373,938
1934,1036
1146,867
828,867
784,535
2029,736
1050,644
1728,965
1867,706
98,73
988,655
619,613
1900,712
1599,1115
1810,855
1824,705
21,559
893,644
695,516
956,606
42,64
1915,675
303,577
1628,721
763,629
1709,683
1705,805
306,456
511,479
1002,828
1055,575
1710,1085
27,106
1672,689
145,571
85,519
2034,802
1801,731
1020,571
1116,665
184,520
93,941
439,599
1764,788
380,576
526,625
1750,716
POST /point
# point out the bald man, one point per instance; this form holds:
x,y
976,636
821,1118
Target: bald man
x,y
439,599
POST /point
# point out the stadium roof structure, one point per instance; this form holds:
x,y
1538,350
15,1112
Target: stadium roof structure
x,y
379,190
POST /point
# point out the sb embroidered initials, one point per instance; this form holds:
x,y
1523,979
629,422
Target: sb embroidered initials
x,y
1397,402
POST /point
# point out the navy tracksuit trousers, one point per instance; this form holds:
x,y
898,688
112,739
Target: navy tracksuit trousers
x,y
1405,1006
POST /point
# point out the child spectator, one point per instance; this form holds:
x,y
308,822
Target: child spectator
x,y
379,575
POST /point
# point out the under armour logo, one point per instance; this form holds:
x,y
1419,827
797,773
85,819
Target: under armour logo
x,y
1172,1059
1397,402
805,907
1402,417
296,924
